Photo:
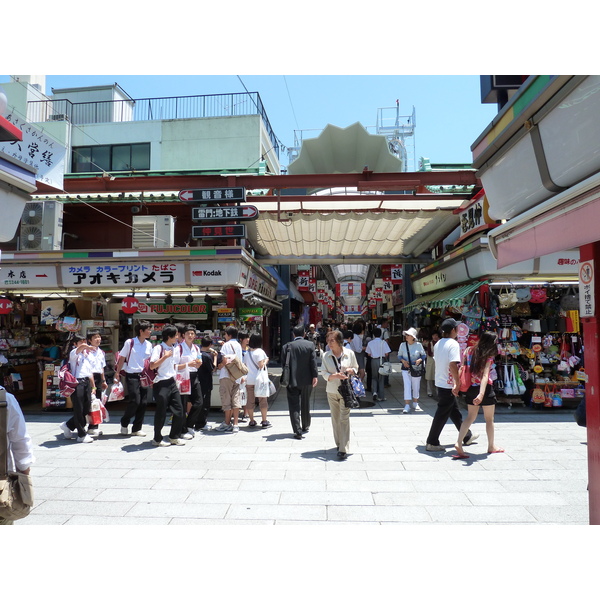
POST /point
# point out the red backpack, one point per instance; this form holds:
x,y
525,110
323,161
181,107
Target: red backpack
x,y
148,375
66,381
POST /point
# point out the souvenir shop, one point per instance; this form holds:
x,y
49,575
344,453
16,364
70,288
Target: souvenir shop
x,y
533,307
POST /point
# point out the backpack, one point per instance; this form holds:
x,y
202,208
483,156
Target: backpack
x,y
148,375
66,381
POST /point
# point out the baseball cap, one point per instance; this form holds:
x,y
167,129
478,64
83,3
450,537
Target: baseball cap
x,y
311,325
448,325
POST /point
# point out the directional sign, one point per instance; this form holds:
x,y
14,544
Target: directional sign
x,y
218,231
217,213
233,194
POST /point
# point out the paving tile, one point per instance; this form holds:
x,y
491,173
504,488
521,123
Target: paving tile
x,y
286,485
572,515
120,483
92,508
478,514
327,498
278,511
375,514
517,499
178,510
420,499
233,497
143,495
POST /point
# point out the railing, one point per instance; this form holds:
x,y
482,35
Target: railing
x,y
152,109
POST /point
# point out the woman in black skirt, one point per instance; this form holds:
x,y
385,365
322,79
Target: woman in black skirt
x,y
480,358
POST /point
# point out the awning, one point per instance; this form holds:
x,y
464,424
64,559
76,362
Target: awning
x,y
455,296
568,220
282,289
424,300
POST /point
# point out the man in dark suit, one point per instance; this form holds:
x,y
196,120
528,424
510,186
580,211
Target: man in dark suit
x,y
303,377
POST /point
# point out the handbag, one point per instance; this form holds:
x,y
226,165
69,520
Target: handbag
x,y
538,396
473,310
358,386
236,368
16,489
523,294
538,295
68,320
385,367
509,383
570,301
285,372
507,299
464,374
415,370
345,389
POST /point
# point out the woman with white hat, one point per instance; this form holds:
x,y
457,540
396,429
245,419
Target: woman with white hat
x,y
412,356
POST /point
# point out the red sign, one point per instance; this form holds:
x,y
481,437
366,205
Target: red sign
x,y
6,306
129,305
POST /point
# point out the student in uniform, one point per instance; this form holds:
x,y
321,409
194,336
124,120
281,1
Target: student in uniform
x,y
98,359
132,356
205,377
191,355
81,368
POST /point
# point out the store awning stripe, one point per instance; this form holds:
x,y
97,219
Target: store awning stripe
x,y
455,296
421,301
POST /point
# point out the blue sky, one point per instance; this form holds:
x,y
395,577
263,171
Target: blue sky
x,y
449,112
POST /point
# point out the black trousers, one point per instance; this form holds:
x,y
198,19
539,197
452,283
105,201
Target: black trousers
x,y
82,401
447,409
138,400
166,394
197,400
299,407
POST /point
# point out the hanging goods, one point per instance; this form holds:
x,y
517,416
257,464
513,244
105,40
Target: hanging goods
x,y
16,489
68,320
522,309
538,396
538,295
570,301
473,310
509,388
518,381
507,298
523,294
548,399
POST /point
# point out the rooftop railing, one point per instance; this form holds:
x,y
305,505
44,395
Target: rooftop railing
x,y
152,109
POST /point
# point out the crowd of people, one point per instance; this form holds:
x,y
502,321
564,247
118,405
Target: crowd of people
x,y
337,352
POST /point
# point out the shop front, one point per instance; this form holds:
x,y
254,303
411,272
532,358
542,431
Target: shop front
x,y
111,290
529,305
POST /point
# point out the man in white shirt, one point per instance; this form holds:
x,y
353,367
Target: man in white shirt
x,y
378,350
132,356
165,359
229,389
20,449
385,335
446,354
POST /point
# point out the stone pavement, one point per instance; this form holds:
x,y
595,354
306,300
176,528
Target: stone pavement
x,y
267,477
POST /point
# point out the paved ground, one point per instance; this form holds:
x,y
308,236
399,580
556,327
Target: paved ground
x,y
267,477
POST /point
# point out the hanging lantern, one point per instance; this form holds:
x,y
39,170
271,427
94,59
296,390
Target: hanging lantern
x,y
6,306
130,305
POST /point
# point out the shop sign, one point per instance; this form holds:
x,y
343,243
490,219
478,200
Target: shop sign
x,y
158,274
203,196
25,276
225,315
6,306
251,314
38,150
587,299
210,273
130,305
393,272
260,285
451,275
387,286
475,218
303,281
198,310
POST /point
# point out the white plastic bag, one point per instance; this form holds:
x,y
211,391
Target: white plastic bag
x,y
116,392
243,394
182,379
261,385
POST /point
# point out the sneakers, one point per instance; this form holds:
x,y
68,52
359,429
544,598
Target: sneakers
x,y
406,409
176,442
191,431
434,448
252,423
124,430
161,444
416,407
94,432
242,419
235,429
186,436
139,433
86,439
207,427
374,397
265,424
66,431
471,440
224,427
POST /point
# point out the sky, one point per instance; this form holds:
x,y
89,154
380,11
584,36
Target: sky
x,y
448,109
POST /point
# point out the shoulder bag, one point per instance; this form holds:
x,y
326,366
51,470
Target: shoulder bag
x,y
385,367
236,368
16,489
285,372
345,389
415,370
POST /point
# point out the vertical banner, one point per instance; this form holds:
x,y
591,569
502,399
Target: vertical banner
x,y
587,300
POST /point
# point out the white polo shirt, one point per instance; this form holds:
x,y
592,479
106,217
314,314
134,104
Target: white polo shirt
x,y
135,355
167,369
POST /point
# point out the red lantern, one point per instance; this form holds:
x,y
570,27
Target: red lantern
x,y
130,305
6,306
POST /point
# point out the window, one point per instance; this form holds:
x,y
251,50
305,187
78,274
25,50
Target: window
x,y
120,157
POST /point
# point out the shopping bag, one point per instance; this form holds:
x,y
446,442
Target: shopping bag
x,y
357,386
518,382
464,374
117,392
183,381
94,417
261,385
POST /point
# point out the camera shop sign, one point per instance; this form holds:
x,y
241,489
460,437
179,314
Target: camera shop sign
x,y
157,274
198,310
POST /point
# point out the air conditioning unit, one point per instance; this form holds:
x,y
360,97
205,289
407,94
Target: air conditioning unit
x,y
153,231
58,117
41,226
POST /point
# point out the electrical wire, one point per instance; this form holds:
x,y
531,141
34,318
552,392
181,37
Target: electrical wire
x,y
291,103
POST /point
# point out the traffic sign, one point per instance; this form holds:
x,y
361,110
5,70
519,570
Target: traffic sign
x,y
212,195
217,213
218,231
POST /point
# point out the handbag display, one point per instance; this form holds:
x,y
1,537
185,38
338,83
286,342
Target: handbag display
x,y
538,396
507,298
519,385
473,310
570,301
16,489
523,294
538,295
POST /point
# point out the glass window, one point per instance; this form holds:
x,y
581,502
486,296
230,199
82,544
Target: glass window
x,y
140,157
100,158
121,158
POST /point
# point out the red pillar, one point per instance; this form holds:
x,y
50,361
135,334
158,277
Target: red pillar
x,y
592,387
